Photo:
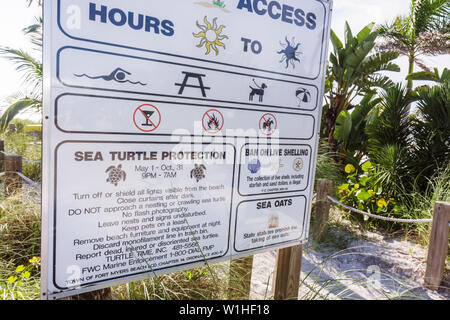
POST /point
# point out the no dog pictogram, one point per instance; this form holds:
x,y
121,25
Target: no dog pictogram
x,y
212,121
268,124
147,118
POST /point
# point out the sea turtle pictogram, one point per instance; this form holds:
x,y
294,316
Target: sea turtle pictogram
x,y
198,172
115,174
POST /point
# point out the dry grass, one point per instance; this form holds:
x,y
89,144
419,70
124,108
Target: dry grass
x,y
20,229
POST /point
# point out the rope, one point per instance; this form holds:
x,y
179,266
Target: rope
x,y
32,161
6,153
380,217
28,180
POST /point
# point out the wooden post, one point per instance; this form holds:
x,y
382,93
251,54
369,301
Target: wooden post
x,y
321,215
240,278
13,183
2,156
437,249
286,278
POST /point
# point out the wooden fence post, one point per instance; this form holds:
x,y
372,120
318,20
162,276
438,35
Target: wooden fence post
x,y
437,249
240,278
13,183
2,155
286,279
321,215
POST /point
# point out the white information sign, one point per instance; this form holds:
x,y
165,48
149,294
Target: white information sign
x,y
176,132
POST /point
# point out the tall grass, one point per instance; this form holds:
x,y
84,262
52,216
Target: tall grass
x,y
419,205
20,229
327,167
193,284
20,234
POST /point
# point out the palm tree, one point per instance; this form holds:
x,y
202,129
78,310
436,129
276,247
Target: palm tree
x,y
353,73
425,31
430,127
32,71
389,138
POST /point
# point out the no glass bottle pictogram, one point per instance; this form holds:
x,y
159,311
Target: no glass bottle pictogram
x,y
147,118
212,121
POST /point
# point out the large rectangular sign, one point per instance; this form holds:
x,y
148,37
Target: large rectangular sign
x,y
176,132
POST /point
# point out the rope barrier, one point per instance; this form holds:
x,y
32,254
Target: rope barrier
x,y
32,161
27,180
7,154
379,217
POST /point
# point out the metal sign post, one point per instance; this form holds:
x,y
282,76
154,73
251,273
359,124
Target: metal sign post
x,y
176,131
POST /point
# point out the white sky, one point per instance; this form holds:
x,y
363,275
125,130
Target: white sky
x,y
15,15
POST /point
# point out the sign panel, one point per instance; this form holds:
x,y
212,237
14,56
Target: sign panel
x,y
176,132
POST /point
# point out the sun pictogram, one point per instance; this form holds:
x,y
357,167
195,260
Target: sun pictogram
x,y
211,36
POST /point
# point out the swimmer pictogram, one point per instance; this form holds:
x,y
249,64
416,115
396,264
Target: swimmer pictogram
x,y
118,75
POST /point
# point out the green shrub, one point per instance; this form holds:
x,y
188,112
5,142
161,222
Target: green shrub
x,y
364,191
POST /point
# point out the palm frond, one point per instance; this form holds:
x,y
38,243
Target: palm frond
x,y
431,15
34,31
431,76
391,126
14,109
26,64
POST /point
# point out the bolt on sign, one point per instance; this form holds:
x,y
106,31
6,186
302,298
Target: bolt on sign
x,y
176,132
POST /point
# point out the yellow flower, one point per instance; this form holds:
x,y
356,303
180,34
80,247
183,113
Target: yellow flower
x,y
35,261
381,203
20,268
349,168
356,186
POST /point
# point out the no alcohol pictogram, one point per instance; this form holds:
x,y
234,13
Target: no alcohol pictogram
x,y
268,124
147,118
212,121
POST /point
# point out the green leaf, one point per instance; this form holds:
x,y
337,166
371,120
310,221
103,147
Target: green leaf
x,y
366,166
348,34
365,32
364,181
363,195
337,44
344,186
343,127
